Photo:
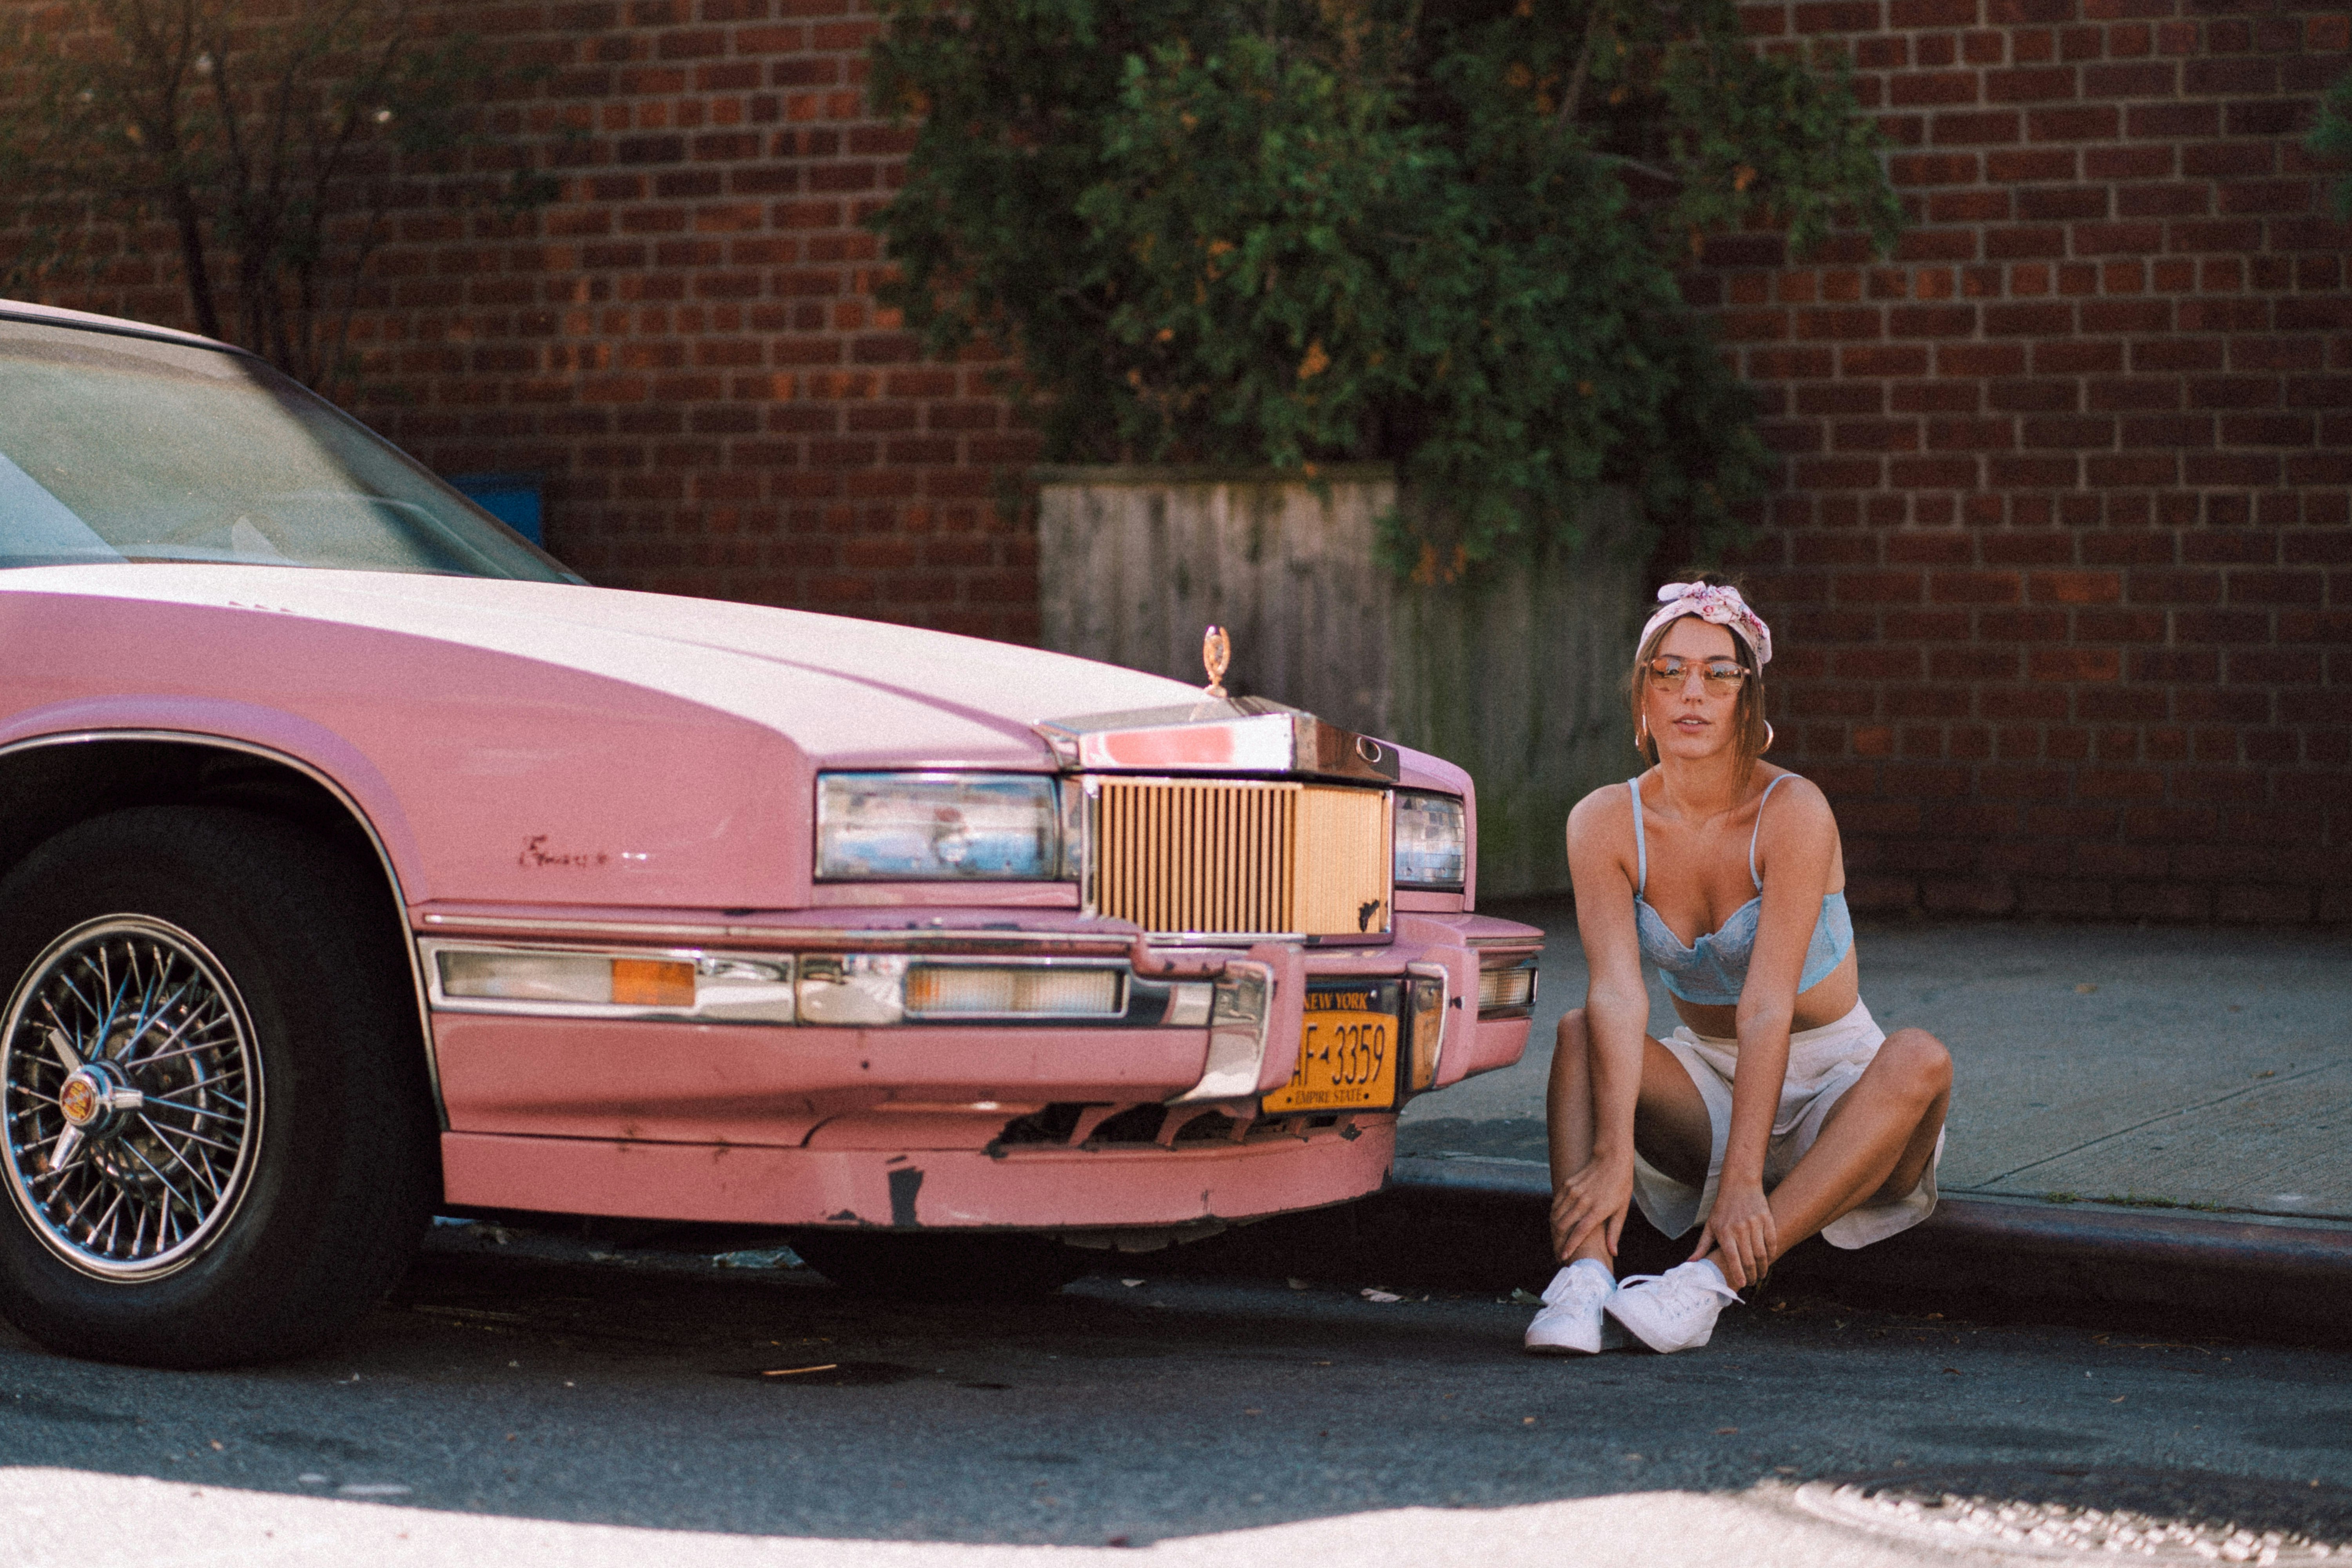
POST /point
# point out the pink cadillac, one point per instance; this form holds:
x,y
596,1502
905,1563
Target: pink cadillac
x,y
362,863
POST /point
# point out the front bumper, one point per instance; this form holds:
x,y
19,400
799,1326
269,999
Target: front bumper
x,y
1035,1125
1068,1191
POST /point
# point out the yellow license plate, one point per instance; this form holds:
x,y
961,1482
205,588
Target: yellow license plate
x,y
1347,1052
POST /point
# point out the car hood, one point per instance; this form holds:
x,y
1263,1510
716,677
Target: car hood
x,y
847,692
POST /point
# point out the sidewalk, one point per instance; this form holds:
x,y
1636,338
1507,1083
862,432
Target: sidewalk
x,y
2154,1115
2199,1068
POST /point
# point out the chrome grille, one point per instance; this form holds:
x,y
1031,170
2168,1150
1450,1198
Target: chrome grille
x,y
1240,857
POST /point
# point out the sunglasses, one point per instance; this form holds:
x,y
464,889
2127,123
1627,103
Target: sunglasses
x,y
1721,676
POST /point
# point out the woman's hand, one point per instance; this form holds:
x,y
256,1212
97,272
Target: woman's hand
x,y
1739,1230
1594,1198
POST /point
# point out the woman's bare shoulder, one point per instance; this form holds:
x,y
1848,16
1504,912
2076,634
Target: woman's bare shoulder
x,y
1798,811
1607,811
1799,791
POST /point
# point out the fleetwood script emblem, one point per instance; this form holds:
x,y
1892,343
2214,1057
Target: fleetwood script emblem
x,y
1216,653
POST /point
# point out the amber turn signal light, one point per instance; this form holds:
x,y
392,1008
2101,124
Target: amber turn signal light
x,y
652,982
1427,995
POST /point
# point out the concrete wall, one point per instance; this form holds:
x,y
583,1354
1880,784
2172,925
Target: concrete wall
x,y
1518,677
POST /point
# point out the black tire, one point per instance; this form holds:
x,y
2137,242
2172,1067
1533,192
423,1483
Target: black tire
x,y
943,1266
281,957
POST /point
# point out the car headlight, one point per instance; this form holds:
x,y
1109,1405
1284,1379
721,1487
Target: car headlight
x,y
898,828
1431,841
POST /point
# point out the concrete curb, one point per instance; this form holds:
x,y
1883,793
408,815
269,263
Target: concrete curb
x,y
1469,1222
2315,1252
2253,1277
2237,1275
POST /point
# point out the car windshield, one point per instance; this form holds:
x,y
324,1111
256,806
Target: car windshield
x,y
115,448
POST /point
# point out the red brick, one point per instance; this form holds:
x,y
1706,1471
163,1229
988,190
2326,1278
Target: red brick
x,y
1969,206
2159,122
1975,587
2211,75
2024,165
1918,13
2028,320
1910,170
2267,430
2013,244
1970,435
2142,392
1837,16
1915,88
2130,163
1934,397
2038,85
2027,547
1987,128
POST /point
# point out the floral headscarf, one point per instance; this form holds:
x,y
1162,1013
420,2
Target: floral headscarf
x,y
1720,604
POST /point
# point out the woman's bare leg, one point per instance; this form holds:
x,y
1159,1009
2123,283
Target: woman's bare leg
x,y
1670,1121
1876,1142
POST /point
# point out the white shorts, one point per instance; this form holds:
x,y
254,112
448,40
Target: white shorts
x,y
1823,1064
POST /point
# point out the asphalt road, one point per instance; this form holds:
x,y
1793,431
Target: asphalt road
x,y
518,1401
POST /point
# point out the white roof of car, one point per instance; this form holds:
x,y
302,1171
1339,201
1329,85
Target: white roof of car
x,y
25,311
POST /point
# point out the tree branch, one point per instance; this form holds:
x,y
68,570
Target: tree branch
x,y
164,68
1639,167
1576,77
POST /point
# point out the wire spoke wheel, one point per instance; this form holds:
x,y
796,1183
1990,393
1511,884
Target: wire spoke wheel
x,y
131,1096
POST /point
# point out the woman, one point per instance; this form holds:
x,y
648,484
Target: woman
x,y
1778,1108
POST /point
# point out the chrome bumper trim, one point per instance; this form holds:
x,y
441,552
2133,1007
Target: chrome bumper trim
x,y
773,989
826,938
1236,1042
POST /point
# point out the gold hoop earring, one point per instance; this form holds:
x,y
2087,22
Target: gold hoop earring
x,y
1641,734
1768,734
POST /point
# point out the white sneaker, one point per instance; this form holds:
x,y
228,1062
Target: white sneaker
x,y
1572,1318
1674,1311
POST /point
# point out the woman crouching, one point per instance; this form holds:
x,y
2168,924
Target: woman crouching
x,y
1778,1108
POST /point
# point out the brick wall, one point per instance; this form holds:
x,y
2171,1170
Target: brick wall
x,y
2062,549
2061,561
684,342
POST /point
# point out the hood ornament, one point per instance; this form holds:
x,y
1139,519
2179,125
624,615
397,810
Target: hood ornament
x,y
1219,733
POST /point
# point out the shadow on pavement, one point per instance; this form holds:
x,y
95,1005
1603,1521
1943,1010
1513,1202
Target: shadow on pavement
x,y
656,1390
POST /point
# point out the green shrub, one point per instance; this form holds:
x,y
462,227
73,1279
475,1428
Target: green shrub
x,y
1444,234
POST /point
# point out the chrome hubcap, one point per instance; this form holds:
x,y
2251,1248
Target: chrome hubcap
x,y
95,1097
130,1091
